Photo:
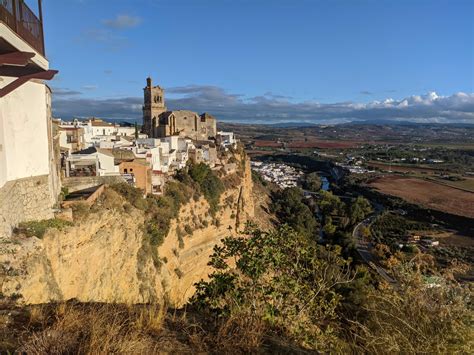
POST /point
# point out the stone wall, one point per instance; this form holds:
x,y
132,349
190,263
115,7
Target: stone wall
x,y
81,183
24,200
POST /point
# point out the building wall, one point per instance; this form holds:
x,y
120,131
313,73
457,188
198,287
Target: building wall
x,y
24,132
142,174
107,165
24,200
186,124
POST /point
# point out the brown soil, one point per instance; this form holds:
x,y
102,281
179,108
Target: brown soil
x,y
268,144
323,144
404,168
428,194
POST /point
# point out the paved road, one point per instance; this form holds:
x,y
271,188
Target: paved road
x,y
364,249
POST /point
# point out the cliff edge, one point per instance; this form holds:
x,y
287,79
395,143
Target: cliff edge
x,y
105,257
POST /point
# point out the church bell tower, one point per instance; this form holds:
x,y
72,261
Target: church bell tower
x,y
154,106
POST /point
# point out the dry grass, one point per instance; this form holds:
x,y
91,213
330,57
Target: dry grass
x,y
94,329
76,328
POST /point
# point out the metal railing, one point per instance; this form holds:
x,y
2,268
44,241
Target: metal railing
x,y
19,17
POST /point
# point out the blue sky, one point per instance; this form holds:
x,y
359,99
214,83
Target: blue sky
x,y
266,60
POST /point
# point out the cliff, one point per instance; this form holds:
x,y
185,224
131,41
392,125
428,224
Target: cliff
x,y
105,257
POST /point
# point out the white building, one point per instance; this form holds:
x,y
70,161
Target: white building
x,y
28,180
92,162
226,139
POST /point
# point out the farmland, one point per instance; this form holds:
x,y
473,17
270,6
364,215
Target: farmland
x,y
428,194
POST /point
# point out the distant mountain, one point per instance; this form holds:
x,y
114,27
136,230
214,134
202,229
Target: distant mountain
x,y
407,123
292,124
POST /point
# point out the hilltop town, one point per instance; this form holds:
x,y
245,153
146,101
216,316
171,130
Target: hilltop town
x,y
84,154
146,157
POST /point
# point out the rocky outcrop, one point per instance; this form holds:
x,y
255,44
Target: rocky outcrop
x,y
105,257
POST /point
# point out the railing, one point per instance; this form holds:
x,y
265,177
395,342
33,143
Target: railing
x,y
19,17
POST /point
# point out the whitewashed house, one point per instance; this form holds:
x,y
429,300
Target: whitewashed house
x,y
91,162
29,182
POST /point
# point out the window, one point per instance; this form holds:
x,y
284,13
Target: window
x,y
125,171
131,170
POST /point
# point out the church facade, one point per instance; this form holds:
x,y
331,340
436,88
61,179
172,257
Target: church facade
x,y
158,122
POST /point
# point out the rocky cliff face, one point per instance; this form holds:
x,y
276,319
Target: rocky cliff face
x,y
104,258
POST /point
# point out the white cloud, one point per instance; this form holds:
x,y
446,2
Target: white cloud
x,y
430,107
123,21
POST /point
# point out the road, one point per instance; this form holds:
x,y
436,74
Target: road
x,y
363,248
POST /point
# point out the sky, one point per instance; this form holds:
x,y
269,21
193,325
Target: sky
x,y
263,61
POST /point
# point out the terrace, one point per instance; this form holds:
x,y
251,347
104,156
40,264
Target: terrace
x,y
22,20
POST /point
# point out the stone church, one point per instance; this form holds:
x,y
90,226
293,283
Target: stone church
x,y
158,122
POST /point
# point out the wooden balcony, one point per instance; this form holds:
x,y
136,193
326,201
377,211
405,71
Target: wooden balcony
x,y
22,20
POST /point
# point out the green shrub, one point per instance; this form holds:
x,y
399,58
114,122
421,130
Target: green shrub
x,y
39,228
133,195
159,210
282,282
209,183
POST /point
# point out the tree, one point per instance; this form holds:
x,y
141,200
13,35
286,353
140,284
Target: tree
x,y
289,208
329,227
282,282
329,204
360,209
312,182
365,231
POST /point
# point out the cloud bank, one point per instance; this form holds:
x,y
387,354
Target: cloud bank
x,y
270,108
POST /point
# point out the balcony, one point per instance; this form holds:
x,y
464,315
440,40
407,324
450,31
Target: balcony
x,y
22,20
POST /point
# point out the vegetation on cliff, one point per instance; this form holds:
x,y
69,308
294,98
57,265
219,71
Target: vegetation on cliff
x,y
286,286
282,292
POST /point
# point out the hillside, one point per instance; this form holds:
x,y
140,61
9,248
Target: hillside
x,y
105,255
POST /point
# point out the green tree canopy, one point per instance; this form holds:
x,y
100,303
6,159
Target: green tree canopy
x,y
312,182
289,208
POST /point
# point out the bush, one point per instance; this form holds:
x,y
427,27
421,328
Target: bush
x,y
210,185
159,210
283,283
39,228
133,195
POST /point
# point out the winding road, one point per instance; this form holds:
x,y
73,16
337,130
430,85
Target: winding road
x,y
363,248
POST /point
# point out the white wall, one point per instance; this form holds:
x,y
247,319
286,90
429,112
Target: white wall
x,y
106,165
23,132
125,131
103,130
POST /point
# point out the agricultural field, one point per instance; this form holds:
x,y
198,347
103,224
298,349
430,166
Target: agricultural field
x,y
404,168
321,144
428,194
464,184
